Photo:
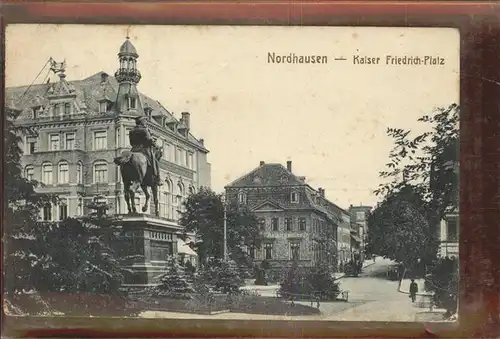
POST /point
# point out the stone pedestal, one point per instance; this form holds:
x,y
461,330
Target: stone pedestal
x,y
146,242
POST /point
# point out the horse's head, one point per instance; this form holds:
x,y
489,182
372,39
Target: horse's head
x,y
123,158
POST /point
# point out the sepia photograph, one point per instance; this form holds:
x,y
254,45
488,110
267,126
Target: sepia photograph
x,y
232,172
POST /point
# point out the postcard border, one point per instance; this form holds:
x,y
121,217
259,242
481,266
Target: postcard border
x,y
479,159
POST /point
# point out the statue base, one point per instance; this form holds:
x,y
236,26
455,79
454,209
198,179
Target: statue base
x,y
145,243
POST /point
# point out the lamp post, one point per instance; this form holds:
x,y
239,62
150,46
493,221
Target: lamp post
x,y
223,198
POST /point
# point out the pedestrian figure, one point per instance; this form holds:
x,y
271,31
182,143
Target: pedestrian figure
x,y
413,290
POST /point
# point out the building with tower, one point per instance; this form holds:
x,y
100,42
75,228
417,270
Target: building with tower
x,y
80,126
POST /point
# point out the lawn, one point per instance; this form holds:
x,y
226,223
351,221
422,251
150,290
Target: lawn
x,y
85,304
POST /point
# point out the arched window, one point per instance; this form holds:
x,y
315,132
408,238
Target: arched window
x,y
100,171
29,172
242,198
79,173
47,173
63,172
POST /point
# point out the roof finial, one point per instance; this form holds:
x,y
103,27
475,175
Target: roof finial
x,y
128,32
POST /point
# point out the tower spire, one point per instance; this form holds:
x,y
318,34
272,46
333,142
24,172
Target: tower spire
x,y
128,76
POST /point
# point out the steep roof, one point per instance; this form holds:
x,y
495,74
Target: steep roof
x,y
88,92
267,175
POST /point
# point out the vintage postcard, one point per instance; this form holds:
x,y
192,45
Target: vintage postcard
x,y
232,172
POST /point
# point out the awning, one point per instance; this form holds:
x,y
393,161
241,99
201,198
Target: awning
x,y
183,248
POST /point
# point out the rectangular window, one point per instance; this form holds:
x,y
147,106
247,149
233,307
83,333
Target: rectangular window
x,y
54,144
251,252
294,251
294,197
127,136
47,212
190,163
452,230
100,140
30,145
288,224
63,212
274,222
101,173
268,249
166,151
178,156
302,224
70,141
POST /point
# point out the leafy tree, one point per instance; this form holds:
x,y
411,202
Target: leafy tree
x,y
397,228
442,279
428,163
204,215
175,282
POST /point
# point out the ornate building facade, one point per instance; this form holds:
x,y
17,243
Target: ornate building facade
x,y
297,222
79,127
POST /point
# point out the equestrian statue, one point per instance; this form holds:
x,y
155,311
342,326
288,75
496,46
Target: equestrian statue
x,y
139,167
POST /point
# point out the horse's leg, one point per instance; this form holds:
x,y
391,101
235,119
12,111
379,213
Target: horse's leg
x,y
154,191
126,192
132,199
146,193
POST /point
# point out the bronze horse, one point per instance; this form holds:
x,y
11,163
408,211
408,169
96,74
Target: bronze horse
x,y
136,172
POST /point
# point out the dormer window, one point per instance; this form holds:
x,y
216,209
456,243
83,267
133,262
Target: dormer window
x,y
67,108
294,197
103,107
36,110
242,198
148,111
132,103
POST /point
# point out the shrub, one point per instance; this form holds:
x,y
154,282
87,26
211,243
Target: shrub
x,y
221,276
442,279
174,283
317,280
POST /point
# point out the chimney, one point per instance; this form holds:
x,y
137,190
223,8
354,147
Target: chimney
x,y
289,165
321,192
262,163
185,118
104,77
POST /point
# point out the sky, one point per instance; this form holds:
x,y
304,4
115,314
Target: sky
x,y
329,119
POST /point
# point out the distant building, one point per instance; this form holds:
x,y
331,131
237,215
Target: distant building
x,y
359,217
298,223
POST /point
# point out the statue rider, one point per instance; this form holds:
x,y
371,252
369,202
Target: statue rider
x,y
141,141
